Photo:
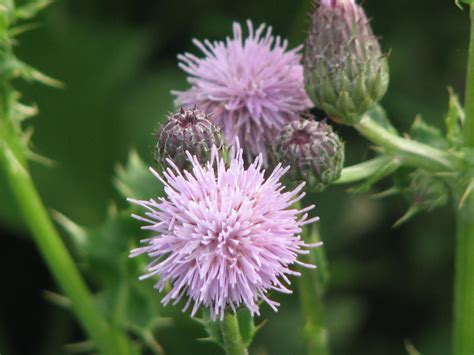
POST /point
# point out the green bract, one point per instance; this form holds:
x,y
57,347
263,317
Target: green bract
x,y
345,70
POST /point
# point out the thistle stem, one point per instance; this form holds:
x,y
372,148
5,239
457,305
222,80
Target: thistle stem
x,y
363,170
107,340
410,152
312,285
233,342
463,330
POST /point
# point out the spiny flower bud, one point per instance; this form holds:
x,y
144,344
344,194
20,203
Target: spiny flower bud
x,y
186,130
345,70
313,151
427,191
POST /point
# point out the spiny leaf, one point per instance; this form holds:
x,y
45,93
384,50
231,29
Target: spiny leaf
x,y
247,326
135,179
422,132
103,251
454,120
212,328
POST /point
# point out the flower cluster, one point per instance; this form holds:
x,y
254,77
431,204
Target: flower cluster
x,y
252,86
224,235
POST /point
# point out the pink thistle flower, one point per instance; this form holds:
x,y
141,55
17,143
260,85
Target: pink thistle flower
x,y
224,235
252,87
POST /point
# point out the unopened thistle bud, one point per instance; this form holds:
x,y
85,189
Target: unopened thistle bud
x,y
427,191
313,150
345,71
187,130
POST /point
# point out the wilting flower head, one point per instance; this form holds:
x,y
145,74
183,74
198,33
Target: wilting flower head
x,y
345,71
186,130
224,236
252,86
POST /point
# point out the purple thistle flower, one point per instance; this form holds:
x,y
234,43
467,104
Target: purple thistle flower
x,y
224,235
252,87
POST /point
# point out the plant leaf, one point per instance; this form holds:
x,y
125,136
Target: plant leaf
x,y
422,132
134,179
454,120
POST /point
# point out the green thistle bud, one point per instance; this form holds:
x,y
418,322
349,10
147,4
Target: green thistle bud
x,y
186,130
427,191
344,68
313,151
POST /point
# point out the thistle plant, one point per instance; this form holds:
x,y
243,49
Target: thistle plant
x,y
225,210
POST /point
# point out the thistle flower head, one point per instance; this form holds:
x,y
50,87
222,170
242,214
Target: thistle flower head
x,y
224,236
252,86
312,149
186,130
345,71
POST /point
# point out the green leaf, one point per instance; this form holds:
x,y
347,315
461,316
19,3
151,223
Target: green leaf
x,y
247,326
103,252
212,328
454,120
135,179
427,134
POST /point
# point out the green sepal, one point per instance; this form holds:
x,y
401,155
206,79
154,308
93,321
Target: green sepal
x,y
135,180
427,134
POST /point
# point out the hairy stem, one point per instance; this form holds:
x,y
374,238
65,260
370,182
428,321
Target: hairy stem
x,y
233,342
463,337
60,263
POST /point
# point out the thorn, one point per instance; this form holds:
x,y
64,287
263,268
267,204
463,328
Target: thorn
x,y
412,211
85,346
76,232
410,348
57,299
38,158
387,193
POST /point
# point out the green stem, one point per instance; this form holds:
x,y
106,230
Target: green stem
x,y
108,340
233,342
468,101
410,152
463,337
312,285
363,171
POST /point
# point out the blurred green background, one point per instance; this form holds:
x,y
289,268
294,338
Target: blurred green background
x,y
118,61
